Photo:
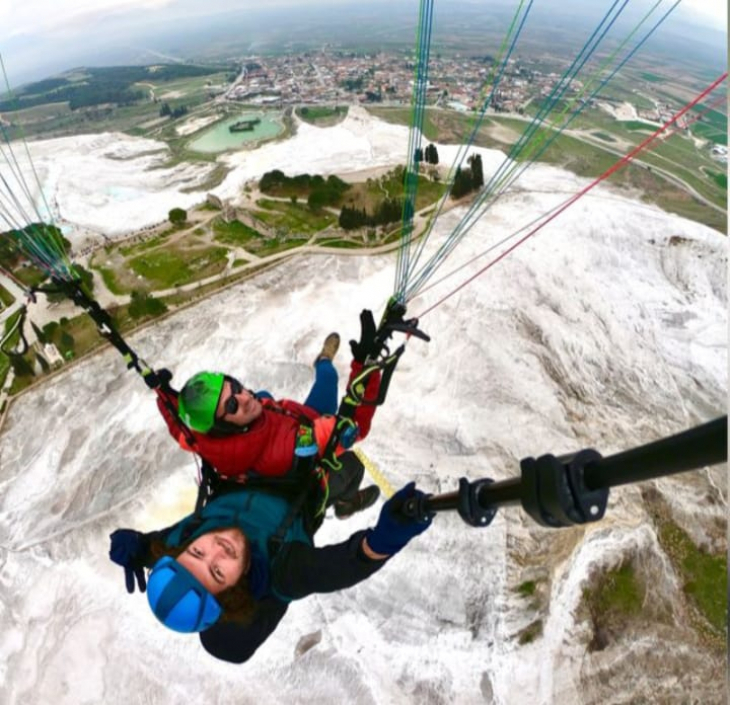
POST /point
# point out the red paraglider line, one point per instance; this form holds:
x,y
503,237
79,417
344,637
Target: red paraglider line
x,y
609,172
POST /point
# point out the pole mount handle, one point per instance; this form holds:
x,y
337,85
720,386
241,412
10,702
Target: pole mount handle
x,y
554,491
469,507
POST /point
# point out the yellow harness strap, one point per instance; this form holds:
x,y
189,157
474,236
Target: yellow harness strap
x,y
385,487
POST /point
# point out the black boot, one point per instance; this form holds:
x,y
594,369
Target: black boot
x,y
365,498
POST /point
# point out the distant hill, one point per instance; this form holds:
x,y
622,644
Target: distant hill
x,y
85,87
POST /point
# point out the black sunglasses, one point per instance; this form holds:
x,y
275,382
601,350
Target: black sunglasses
x,y
230,406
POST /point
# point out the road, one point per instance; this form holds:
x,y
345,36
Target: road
x,y
669,176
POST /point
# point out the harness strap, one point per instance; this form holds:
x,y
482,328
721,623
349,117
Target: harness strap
x,y
276,541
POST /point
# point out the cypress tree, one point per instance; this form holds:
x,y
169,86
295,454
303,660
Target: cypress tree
x,y
38,333
477,172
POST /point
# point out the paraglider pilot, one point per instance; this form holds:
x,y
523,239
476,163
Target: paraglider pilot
x,y
244,434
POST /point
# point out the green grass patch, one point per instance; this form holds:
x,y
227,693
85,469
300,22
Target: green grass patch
x,y
572,154
719,178
616,591
341,244
692,209
530,633
6,297
613,599
322,114
138,248
370,194
11,324
603,136
109,276
652,77
637,125
172,267
23,365
402,116
709,132
704,575
30,276
715,118
235,233
293,217
77,335
4,369
527,589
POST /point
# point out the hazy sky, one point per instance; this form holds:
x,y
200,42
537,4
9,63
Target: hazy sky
x,y
40,38
40,16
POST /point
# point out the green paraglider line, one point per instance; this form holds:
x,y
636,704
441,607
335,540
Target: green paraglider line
x,y
40,242
502,61
418,100
448,246
487,197
537,151
569,202
675,129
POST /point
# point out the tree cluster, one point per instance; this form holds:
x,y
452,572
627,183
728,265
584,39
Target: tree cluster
x,y
354,85
46,238
144,304
389,211
469,179
320,192
430,155
173,113
57,333
113,84
83,96
83,275
177,216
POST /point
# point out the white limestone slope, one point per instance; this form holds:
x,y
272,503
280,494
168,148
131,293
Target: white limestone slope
x,y
606,330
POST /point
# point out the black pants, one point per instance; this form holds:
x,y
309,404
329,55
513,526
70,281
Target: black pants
x,y
345,483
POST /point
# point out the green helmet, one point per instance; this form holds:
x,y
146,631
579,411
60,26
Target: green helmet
x,y
198,400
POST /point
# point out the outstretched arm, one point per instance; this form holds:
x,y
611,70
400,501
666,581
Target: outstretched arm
x,y
300,569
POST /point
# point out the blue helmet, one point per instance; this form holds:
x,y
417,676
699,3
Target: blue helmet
x,y
179,600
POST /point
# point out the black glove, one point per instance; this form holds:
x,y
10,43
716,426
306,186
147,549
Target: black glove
x,y
367,346
159,379
128,549
394,529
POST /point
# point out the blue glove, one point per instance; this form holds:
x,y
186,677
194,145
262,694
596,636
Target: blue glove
x,y
394,529
128,549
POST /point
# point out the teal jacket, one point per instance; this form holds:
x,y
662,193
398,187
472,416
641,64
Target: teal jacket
x,y
296,568
258,515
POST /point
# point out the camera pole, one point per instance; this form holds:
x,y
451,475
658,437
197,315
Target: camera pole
x,y
573,489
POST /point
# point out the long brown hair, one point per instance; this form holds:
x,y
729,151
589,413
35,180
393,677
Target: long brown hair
x,y
237,602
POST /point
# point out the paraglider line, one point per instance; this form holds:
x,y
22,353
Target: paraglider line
x,y
609,172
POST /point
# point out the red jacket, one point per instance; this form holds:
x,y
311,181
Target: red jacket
x,y
268,445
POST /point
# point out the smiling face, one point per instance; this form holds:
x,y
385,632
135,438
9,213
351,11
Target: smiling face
x,y
237,405
217,559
